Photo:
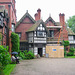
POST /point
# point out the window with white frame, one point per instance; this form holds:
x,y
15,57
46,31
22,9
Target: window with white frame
x,y
13,28
41,34
70,37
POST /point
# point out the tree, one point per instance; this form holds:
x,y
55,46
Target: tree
x,y
71,23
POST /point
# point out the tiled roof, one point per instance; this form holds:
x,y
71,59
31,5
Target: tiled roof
x,y
25,15
34,26
50,19
70,32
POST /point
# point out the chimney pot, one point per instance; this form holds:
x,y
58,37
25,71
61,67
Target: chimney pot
x,y
62,14
39,10
38,15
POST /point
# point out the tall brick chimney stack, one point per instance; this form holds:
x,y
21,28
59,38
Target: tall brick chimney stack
x,y
38,15
64,32
62,19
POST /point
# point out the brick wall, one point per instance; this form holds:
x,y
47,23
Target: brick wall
x,y
12,14
64,32
23,27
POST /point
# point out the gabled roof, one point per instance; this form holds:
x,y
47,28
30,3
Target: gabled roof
x,y
70,32
25,15
34,26
50,19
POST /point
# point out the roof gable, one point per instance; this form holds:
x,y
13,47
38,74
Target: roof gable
x,y
70,32
50,19
34,26
26,15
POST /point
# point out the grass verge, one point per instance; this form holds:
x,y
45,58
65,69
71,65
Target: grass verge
x,y
9,68
69,56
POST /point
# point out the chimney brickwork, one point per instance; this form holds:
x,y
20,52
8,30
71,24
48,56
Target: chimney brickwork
x,y
64,32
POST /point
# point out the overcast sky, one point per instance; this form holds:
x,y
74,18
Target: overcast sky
x,y
53,7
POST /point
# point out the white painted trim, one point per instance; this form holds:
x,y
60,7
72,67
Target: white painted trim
x,y
54,26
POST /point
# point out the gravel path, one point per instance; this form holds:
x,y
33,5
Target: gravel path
x,y
46,66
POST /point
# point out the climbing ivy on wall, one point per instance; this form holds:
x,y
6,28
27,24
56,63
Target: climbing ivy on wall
x,y
15,42
66,43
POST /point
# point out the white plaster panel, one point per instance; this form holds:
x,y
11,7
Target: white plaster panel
x,y
35,51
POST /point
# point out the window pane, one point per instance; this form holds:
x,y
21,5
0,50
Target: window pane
x,y
40,34
51,33
13,28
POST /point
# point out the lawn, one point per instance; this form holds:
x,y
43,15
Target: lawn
x,y
9,68
69,56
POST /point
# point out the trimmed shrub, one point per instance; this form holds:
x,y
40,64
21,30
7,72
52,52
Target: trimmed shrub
x,y
22,55
66,43
26,55
70,54
29,55
72,49
15,42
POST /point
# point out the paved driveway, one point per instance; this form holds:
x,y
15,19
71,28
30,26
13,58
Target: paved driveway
x,y
46,66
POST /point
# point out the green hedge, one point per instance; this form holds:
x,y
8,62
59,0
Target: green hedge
x,y
70,54
15,42
26,55
5,57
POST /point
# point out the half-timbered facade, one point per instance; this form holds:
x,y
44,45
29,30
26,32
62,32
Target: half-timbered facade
x,y
71,37
35,35
37,38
